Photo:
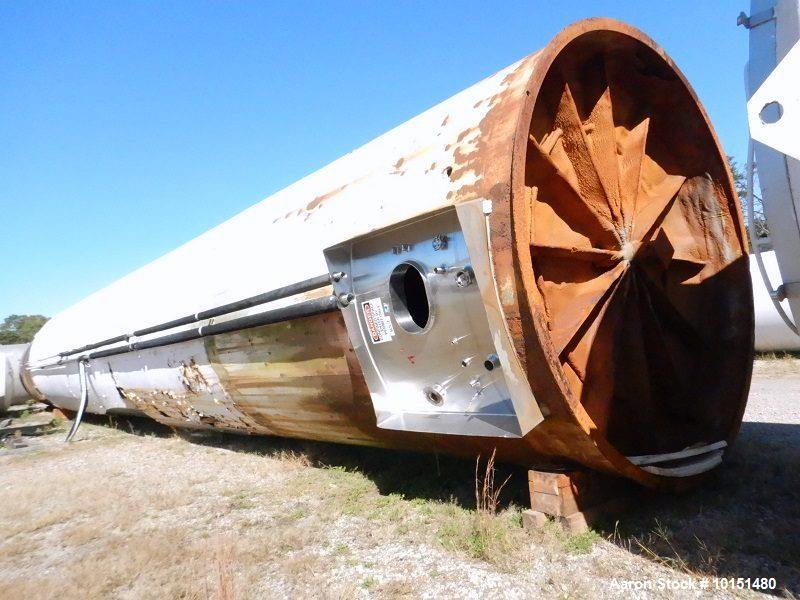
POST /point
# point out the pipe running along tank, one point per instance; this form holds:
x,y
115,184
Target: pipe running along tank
x,y
551,263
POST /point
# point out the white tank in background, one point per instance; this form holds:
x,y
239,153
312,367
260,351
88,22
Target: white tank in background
x,y
773,108
12,390
771,332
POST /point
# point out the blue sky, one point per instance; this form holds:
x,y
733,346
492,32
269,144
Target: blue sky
x,y
129,128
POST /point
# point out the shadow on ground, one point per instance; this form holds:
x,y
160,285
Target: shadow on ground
x,y
744,521
412,474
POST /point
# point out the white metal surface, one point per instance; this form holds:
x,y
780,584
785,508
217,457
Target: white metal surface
x,y
773,110
11,388
772,76
771,333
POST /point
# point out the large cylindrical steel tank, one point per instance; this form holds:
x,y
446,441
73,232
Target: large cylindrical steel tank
x,y
605,315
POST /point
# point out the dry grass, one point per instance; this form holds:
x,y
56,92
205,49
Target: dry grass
x,y
225,588
487,495
135,511
777,364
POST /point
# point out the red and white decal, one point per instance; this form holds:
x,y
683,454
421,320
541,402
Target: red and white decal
x,y
378,321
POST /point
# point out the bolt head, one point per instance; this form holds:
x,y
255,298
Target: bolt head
x,y
440,242
346,298
463,278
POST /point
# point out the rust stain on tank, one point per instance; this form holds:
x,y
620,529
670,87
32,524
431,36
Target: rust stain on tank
x,y
319,200
294,378
405,160
464,134
489,157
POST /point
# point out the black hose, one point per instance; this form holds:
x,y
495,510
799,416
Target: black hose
x,y
307,308
277,294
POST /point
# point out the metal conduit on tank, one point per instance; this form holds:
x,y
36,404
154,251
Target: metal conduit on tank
x,y
551,264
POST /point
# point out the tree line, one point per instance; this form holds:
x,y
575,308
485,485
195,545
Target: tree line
x,y
20,329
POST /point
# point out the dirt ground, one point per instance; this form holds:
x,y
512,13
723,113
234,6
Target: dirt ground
x,y
133,510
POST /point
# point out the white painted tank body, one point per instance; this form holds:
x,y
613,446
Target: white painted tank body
x,y
11,388
771,332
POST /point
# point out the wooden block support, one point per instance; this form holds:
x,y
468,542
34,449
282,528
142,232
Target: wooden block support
x,y
63,414
577,499
533,519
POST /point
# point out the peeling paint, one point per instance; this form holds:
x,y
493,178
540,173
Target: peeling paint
x,y
319,200
192,378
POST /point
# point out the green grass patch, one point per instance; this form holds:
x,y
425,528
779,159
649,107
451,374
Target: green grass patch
x,y
298,513
580,543
481,536
341,548
241,500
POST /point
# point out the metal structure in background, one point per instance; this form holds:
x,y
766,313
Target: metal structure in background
x,y
773,110
551,264
12,391
772,334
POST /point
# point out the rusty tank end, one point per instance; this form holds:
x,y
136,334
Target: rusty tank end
x,y
630,259
551,264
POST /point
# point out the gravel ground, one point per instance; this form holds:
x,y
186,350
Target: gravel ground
x,y
137,512
775,393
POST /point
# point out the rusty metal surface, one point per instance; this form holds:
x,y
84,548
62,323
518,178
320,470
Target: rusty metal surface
x,y
589,310
616,243
293,379
193,406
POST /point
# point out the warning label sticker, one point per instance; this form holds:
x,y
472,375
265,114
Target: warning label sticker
x,y
379,324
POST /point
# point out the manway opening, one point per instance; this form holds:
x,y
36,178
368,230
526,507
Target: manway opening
x,y
409,296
